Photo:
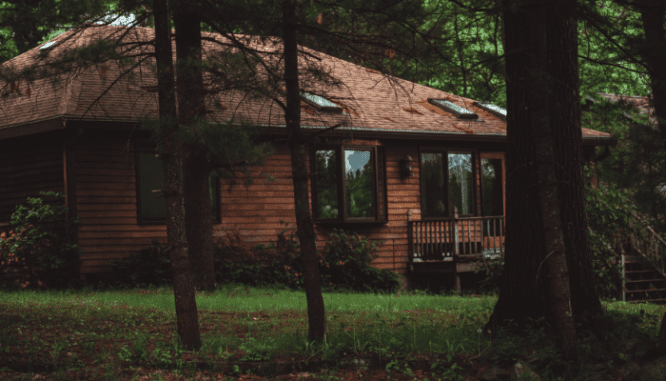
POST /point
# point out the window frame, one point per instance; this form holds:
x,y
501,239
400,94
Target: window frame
x,y
475,191
143,147
377,153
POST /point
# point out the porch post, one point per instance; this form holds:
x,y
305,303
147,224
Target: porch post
x,y
454,222
623,294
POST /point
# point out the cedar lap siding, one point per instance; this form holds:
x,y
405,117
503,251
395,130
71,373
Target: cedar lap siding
x,y
80,136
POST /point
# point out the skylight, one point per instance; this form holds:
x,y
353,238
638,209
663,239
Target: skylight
x,y
459,112
493,109
48,45
320,102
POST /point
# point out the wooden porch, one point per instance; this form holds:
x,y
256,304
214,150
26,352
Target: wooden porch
x,y
455,245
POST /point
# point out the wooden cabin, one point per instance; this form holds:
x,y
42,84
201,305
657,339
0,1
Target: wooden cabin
x,y
418,170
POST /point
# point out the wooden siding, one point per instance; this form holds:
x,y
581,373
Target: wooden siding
x,y
29,166
105,165
106,202
256,210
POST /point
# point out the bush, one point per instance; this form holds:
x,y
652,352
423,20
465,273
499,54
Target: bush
x,y
343,264
36,252
492,270
275,263
150,266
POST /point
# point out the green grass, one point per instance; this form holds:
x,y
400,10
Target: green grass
x,y
109,331
242,298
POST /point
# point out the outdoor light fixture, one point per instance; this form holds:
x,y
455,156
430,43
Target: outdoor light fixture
x,y
406,167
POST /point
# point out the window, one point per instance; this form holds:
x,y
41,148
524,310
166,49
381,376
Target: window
x,y
448,106
349,184
150,183
447,181
492,108
493,197
320,103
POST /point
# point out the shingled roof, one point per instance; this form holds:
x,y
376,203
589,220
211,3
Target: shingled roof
x,y
371,101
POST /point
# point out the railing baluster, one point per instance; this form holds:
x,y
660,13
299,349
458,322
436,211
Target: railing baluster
x,y
501,233
418,238
430,241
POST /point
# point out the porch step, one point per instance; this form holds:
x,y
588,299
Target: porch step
x,y
644,280
644,290
655,301
643,284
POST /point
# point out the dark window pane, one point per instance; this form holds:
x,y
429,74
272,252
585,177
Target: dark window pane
x,y
359,174
327,184
432,180
461,185
493,200
151,177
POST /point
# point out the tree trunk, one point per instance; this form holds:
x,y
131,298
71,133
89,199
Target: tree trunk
x,y
550,202
172,156
546,235
298,150
653,15
191,111
565,117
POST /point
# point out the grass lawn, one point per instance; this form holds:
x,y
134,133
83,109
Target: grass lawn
x,y
118,335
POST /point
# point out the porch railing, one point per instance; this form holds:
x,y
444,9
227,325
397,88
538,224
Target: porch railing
x,y
651,246
455,238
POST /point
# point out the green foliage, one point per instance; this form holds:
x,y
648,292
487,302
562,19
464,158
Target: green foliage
x,y
37,252
612,218
343,264
150,266
492,269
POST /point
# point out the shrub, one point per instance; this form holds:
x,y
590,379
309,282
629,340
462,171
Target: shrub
x,y
275,263
150,266
492,269
37,252
343,264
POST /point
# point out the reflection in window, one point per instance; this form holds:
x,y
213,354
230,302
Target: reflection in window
x,y
327,188
493,200
349,184
461,185
433,191
359,180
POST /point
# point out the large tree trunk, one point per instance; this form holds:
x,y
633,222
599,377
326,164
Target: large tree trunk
x,y
298,149
172,156
653,15
550,201
191,110
565,117
546,234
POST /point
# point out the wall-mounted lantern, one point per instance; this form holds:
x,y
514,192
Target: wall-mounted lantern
x,y
405,167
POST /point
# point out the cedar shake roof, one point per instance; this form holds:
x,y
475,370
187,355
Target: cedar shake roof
x,y
371,101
